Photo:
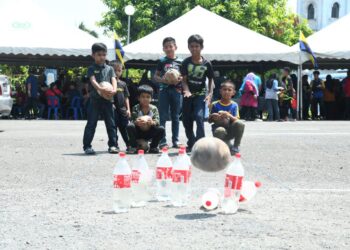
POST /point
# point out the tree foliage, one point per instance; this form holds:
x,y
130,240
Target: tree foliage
x,y
87,30
268,17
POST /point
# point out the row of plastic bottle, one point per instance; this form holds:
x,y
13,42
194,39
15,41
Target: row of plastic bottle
x,y
132,185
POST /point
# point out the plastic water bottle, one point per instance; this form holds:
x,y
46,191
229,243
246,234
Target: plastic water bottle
x,y
211,199
122,185
233,185
180,181
249,190
188,159
163,176
140,181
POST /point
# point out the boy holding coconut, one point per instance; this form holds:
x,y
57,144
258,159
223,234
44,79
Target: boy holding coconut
x,y
225,118
145,123
170,93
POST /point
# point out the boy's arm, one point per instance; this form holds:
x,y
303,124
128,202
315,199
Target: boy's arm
x,y
155,118
29,86
210,75
127,104
134,114
211,89
158,78
186,89
95,84
114,84
213,114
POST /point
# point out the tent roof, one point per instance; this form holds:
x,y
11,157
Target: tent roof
x,y
330,45
224,40
333,40
28,33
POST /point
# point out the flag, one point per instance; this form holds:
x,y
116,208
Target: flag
x,y
119,52
304,46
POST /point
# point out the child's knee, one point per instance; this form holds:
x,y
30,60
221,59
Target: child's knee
x,y
130,127
220,133
161,130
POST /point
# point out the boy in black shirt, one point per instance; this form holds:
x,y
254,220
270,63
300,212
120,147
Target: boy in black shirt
x,y
195,70
170,97
121,104
98,73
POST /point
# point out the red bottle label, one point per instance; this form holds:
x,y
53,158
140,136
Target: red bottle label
x,y
181,176
233,182
122,181
163,173
135,176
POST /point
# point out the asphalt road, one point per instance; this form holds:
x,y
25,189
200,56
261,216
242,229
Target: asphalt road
x,y
52,196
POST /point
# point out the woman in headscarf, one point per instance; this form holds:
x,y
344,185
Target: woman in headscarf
x,y
249,100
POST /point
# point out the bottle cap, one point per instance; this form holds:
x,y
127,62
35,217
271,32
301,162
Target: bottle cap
x,y
182,151
258,184
122,154
208,203
141,152
238,155
165,150
183,147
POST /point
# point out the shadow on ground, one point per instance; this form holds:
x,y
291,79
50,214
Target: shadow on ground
x,y
194,216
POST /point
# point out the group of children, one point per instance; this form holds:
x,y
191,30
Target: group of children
x,y
144,126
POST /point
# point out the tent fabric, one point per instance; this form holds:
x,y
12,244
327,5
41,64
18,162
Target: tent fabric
x,y
330,46
224,40
29,31
332,41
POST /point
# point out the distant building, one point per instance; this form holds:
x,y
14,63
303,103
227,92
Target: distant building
x,y
321,13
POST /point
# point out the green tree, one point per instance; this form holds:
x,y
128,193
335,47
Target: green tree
x,y
268,17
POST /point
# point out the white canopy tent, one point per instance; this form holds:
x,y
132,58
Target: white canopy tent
x,y
29,35
224,41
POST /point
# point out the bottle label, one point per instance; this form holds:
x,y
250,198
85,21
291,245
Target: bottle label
x,y
233,182
180,176
163,173
135,176
122,181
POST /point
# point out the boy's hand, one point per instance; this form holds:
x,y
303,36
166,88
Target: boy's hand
x,y
208,98
223,114
215,116
139,122
187,93
150,122
128,113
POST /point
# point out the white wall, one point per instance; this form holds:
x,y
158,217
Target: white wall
x,y
323,11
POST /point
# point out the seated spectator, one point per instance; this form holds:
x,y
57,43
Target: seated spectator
x,y
225,116
53,91
42,100
72,92
145,123
19,101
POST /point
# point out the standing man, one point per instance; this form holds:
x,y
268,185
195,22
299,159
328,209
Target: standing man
x,y
32,96
317,87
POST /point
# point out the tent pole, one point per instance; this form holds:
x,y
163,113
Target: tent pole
x,y
300,90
